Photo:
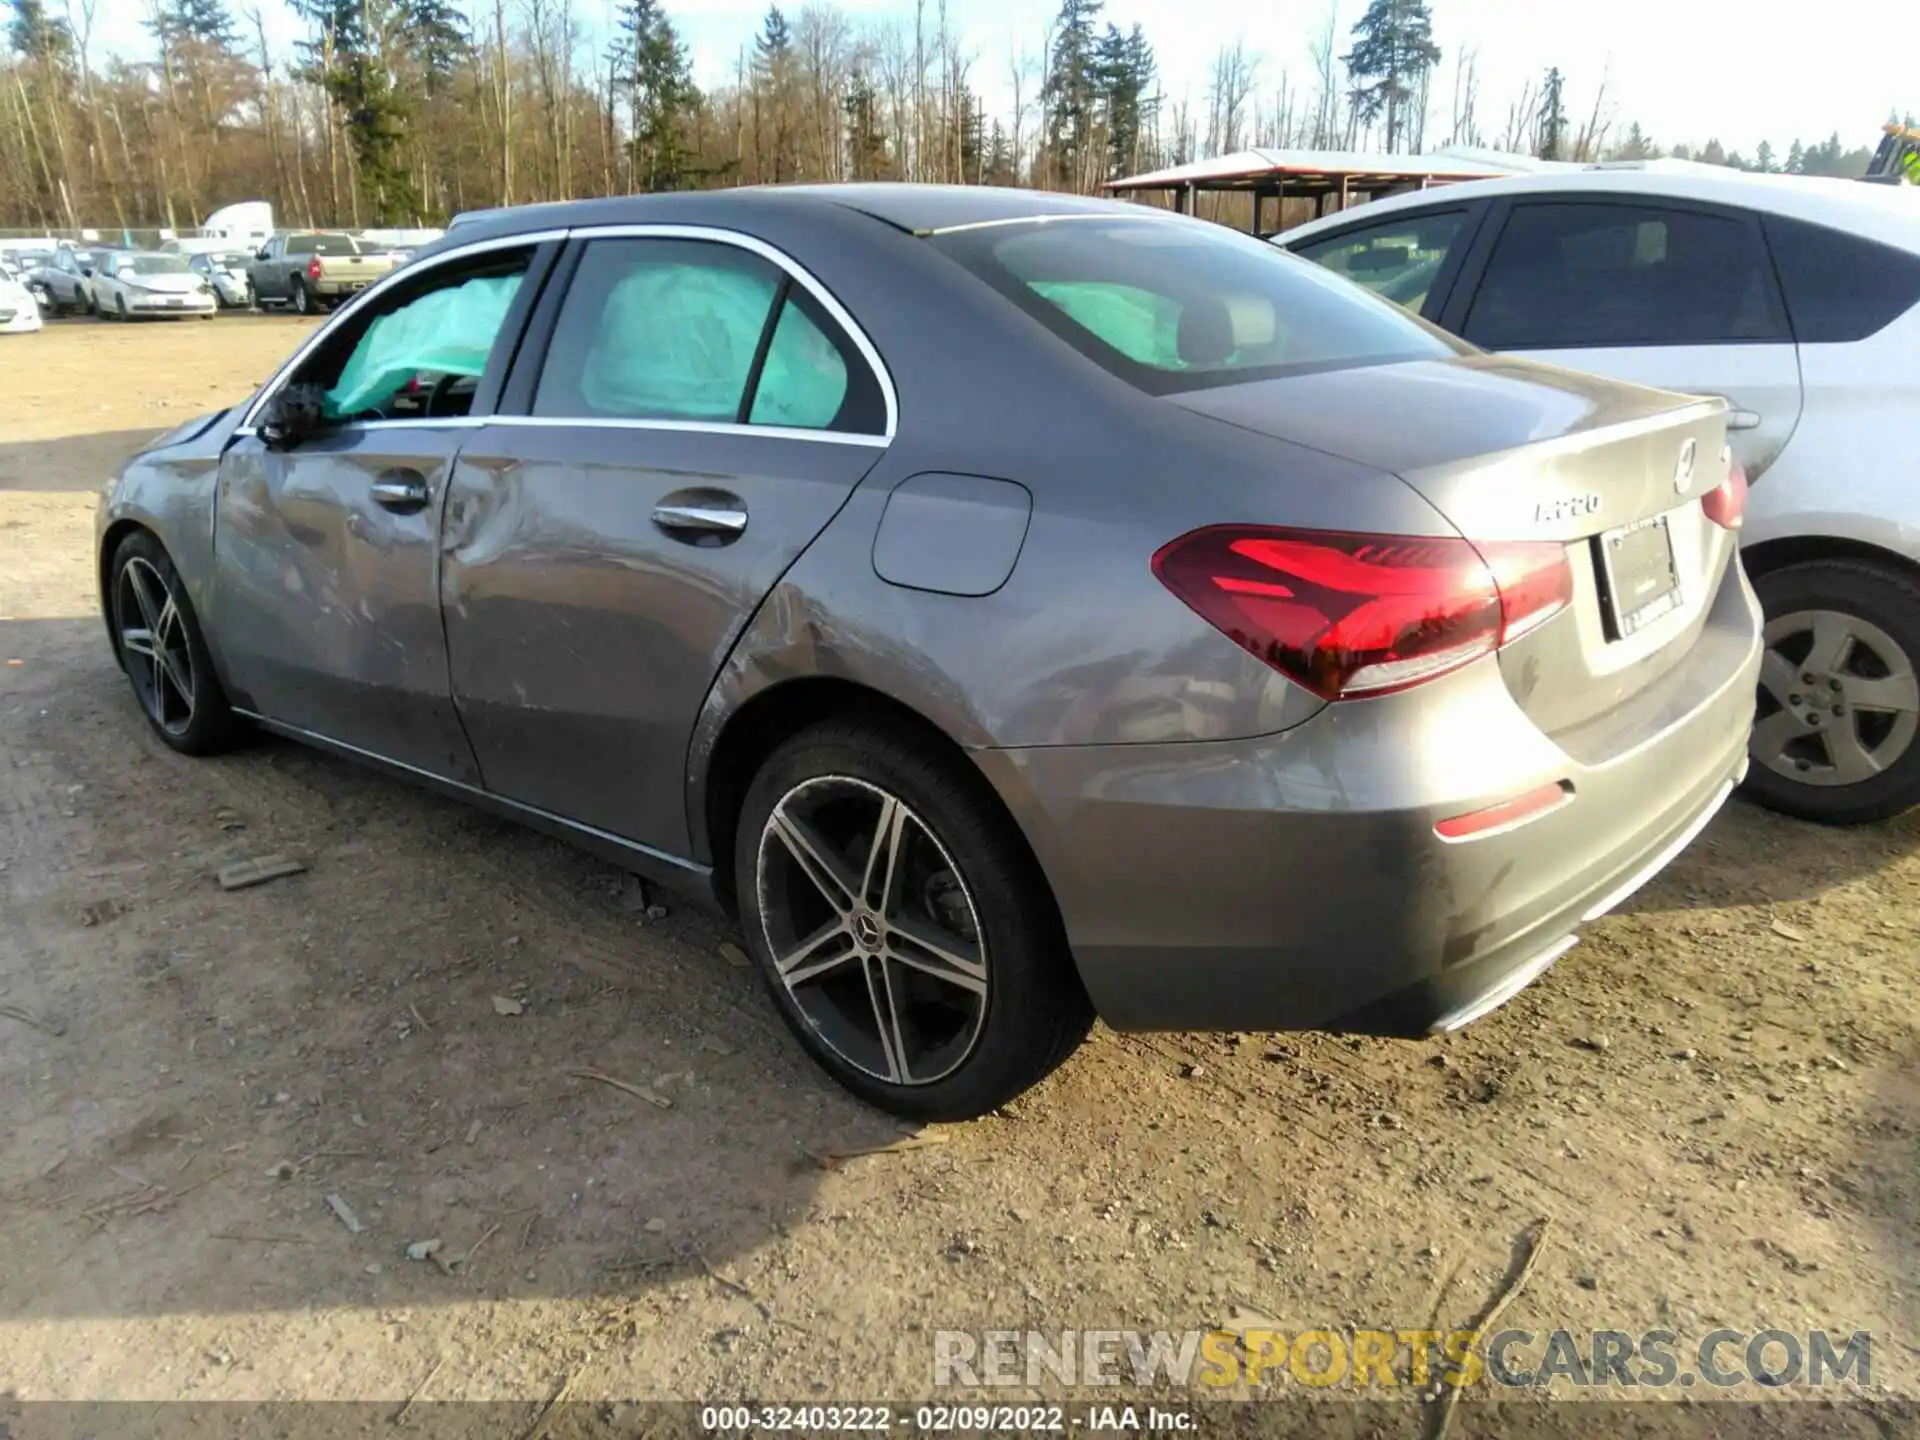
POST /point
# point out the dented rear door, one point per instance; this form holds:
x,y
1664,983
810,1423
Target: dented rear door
x,y
602,550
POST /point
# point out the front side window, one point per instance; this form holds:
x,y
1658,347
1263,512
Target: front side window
x,y
1397,259
420,353
695,330
1173,305
1623,274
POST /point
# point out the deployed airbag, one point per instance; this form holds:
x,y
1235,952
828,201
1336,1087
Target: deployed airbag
x,y
446,332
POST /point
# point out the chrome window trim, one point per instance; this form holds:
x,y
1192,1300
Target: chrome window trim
x,y
689,427
779,258
1146,212
407,274
713,233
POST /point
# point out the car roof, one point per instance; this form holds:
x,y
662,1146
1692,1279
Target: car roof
x,y
1888,213
920,209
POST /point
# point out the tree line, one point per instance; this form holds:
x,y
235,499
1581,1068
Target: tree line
x,y
400,112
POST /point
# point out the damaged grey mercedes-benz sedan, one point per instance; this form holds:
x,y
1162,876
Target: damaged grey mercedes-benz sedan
x,y
1012,607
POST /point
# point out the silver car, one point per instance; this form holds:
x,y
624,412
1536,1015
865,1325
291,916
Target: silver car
x,y
1798,302
1011,607
226,272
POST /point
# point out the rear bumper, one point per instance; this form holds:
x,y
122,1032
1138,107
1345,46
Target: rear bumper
x,y
1296,881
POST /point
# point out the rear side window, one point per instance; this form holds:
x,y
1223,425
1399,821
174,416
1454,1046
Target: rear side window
x,y
1397,259
1840,287
700,331
1619,274
1172,306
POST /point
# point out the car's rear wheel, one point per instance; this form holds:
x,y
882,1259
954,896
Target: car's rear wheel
x,y
165,655
902,928
302,301
1834,738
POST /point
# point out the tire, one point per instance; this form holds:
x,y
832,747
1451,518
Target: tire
x,y
991,999
1837,735
182,700
92,306
302,301
120,304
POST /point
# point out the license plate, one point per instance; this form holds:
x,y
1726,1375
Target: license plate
x,y
176,304
1638,574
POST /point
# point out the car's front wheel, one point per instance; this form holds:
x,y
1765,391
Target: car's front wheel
x,y
1839,711
165,655
901,925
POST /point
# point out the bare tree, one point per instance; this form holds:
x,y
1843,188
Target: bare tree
x,y
1227,92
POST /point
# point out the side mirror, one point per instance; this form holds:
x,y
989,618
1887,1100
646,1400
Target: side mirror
x,y
87,271
265,252
291,417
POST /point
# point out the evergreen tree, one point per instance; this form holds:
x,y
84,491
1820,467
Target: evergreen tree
x,y
1763,158
1123,70
866,145
1553,116
38,36
203,22
1072,88
1636,146
651,68
773,77
1393,52
1796,158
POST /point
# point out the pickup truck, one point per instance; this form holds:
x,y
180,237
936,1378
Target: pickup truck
x,y
312,270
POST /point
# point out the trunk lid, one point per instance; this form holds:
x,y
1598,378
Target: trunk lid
x,y
1509,450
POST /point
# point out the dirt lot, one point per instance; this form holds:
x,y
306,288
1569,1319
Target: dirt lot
x,y
1714,1098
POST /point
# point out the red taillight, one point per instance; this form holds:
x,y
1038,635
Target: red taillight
x,y
1726,504
313,268
1350,615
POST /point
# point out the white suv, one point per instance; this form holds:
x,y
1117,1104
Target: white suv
x,y
1798,301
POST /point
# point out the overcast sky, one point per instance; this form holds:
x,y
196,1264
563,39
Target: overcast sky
x,y
1685,69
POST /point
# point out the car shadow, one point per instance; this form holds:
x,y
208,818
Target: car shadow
x,y
72,463
1751,856
446,1033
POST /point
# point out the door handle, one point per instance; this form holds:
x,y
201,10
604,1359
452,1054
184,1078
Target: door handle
x,y
401,491
691,522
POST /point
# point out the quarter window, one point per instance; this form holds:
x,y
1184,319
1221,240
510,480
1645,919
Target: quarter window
x,y
1616,274
1840,287
696,330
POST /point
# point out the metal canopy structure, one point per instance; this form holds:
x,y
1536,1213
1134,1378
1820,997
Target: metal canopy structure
x,y
1350,176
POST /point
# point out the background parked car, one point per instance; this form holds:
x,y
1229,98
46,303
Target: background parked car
x,y
68,277
313,270
226,272
1798,301
19,312
132,283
